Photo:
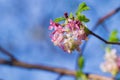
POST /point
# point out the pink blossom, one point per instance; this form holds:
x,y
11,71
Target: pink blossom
x,y
112,62
110,66
53,25
69,36
118,61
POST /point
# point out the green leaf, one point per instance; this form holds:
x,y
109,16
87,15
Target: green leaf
x,y
81,62
59,19
82,18
81,76
82,7
71,15
79,73
114,36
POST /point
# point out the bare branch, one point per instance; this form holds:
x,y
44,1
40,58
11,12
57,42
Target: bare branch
x,y
105,27
7,53
33,66
60,71
107,42
98,77
59,77
101,20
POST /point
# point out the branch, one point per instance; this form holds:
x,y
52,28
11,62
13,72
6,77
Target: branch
x,y
101,20
105,27
96,77
33,66
61,71
59,77
107,42
7,53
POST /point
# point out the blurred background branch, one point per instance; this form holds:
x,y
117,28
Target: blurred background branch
x,y
59,77
51,69
107,16
60,71
7,53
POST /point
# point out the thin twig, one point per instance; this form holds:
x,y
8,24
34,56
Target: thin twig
x,y
107,42
101,20
59,77
105,27
7,53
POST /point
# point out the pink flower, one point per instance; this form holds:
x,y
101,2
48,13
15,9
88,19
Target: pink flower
x,y
112,62
69,36
110,66
73,24
53,25
118,61
111,55
58,39
82,35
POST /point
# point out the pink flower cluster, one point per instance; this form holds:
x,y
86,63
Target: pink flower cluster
x,y
69,35
112,62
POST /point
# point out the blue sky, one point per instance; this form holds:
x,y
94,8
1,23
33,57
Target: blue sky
x,y
24,33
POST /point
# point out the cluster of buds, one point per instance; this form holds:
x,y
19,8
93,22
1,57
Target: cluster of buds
x,y
68,35
112,62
